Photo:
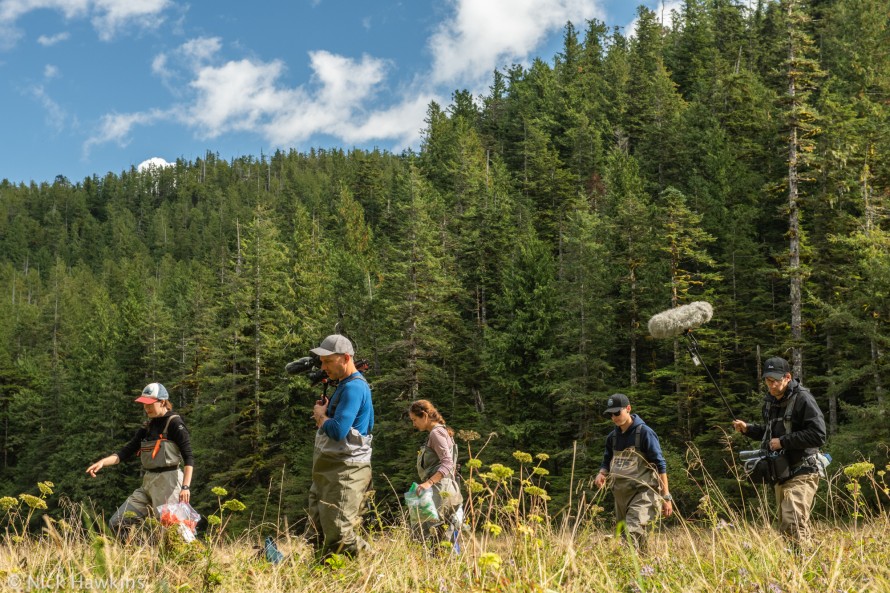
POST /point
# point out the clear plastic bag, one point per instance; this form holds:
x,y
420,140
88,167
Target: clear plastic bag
x,y
421,507
181,516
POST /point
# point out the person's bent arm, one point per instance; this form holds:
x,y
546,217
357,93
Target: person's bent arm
x,y
112,459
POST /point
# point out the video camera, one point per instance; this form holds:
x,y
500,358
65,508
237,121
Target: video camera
x,y
311,367
308,365
765,467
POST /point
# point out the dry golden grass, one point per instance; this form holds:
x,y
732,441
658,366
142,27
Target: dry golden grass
x,y
738,556
516,545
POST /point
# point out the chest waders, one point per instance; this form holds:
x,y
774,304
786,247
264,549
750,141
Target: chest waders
x,y
446,492
341,473
635,488
161,481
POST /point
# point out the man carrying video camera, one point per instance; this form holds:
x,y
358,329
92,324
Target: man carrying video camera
x,y
341,462
794,427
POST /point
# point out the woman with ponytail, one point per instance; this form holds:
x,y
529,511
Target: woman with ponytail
x,y
437,467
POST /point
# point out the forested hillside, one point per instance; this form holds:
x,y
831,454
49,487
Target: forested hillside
x,y
505,271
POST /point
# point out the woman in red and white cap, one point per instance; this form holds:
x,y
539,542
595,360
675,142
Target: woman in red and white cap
x,y
162,443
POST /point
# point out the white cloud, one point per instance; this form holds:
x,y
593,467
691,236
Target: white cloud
x,y
216,97
237,96
402,123
154,163
180,65
55,115
50,71
108,16
484,35
116,127
11,10
664,14
112,15
47,41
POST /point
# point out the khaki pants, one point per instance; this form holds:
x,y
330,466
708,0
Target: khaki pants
x,y
335,500
157,488
794,500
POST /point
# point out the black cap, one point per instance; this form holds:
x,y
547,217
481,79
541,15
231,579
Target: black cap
x,y
776,368
616,403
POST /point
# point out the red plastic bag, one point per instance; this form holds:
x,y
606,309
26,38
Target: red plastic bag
x,y
179,513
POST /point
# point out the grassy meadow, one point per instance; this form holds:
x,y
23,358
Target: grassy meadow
x,y
513,543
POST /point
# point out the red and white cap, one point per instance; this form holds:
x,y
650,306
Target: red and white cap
x,y
152,393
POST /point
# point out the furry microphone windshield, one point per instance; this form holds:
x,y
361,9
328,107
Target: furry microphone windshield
x,y
675,322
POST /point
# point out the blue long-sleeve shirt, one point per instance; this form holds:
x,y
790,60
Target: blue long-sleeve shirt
x,y
351,407
650,448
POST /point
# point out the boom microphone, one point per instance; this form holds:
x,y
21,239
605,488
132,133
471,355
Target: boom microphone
x,y
301,365
675,322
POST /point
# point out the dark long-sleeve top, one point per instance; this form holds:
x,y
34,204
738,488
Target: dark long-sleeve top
x,y
650,448
807,423
177,433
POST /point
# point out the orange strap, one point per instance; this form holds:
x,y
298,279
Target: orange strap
x,y
157,446
161,437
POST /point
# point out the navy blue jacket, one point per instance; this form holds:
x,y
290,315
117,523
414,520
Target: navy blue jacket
x,y
650,448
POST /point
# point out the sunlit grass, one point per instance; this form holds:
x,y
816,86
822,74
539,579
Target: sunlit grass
x,y
518,545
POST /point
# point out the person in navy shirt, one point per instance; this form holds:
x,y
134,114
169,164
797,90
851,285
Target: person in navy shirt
x,y
635,467
341,462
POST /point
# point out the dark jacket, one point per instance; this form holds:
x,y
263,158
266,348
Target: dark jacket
x,y
807,423
650,448
150,432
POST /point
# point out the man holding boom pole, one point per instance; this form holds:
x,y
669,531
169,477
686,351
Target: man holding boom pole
x,y
793,425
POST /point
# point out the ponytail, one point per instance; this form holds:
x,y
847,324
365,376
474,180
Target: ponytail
x,y
423,407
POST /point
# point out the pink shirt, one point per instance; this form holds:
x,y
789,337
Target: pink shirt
x,y
442,443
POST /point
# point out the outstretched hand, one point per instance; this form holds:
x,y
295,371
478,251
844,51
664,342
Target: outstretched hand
x,y
95,467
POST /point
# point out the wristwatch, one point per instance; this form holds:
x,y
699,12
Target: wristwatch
x,y
667,497
185,487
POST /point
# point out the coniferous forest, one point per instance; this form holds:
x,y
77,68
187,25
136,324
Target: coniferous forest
x,y
506,270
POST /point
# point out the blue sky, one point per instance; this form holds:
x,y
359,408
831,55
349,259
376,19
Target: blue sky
x,y
92,86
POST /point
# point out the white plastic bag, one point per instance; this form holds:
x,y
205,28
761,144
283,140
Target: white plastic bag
x,y
421,507
181,516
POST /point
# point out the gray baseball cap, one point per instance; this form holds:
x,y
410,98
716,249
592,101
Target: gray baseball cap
x,y
334,344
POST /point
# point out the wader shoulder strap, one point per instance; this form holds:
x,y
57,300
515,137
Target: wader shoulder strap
x,y
167,425
332,407
613,438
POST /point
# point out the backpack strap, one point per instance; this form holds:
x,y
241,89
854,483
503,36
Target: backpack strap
x,y
789,410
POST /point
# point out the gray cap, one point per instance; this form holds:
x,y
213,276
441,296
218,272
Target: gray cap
x,y
334,344
152,393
